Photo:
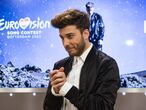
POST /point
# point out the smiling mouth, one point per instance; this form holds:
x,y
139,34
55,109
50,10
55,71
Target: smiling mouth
x,y
70,49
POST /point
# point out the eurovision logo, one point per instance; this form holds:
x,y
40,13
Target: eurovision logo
x,y
24,28
24,23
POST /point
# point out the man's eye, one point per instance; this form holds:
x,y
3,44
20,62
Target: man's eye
x,y
70,36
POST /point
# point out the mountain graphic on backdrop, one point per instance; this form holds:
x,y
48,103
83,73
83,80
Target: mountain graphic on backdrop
x,y
134,80
25,77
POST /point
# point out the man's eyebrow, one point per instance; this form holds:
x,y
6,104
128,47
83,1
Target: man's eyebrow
x,y
67,34
70,33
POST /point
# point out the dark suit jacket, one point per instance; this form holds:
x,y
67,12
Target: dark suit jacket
x,y
99,82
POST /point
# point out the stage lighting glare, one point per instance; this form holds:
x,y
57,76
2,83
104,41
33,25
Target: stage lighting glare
x,y
52,45
123,93
34,94
129,42
11,94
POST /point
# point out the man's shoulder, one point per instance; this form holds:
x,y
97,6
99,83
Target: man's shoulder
x,y
97,15
101,56
63,61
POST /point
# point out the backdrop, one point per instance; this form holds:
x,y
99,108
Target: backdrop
x,y
29,45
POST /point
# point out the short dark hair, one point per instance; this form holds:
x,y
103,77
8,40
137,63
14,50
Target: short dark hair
x,y
89,5
71,17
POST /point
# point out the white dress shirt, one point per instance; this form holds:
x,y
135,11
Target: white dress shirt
x,y
72,79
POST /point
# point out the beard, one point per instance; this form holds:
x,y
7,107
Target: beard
x,y
76,49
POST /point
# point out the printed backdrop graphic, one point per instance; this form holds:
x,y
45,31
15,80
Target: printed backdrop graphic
x,y
29,45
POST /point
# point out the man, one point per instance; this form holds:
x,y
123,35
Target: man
x,y
86,80
96,26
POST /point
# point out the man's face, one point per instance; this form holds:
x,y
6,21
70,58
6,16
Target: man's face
x,y
90,10
73,40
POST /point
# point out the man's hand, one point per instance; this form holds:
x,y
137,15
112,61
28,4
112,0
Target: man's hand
x,y
58,79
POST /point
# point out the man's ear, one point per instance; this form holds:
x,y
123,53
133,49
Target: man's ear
x,y
86,33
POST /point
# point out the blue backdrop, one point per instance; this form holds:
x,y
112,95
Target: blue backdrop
x,y
29,42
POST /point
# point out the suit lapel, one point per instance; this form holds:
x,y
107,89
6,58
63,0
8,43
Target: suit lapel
x,y
68,65
88,67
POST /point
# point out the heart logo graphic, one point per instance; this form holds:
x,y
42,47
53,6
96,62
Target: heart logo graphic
x,y
24,22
